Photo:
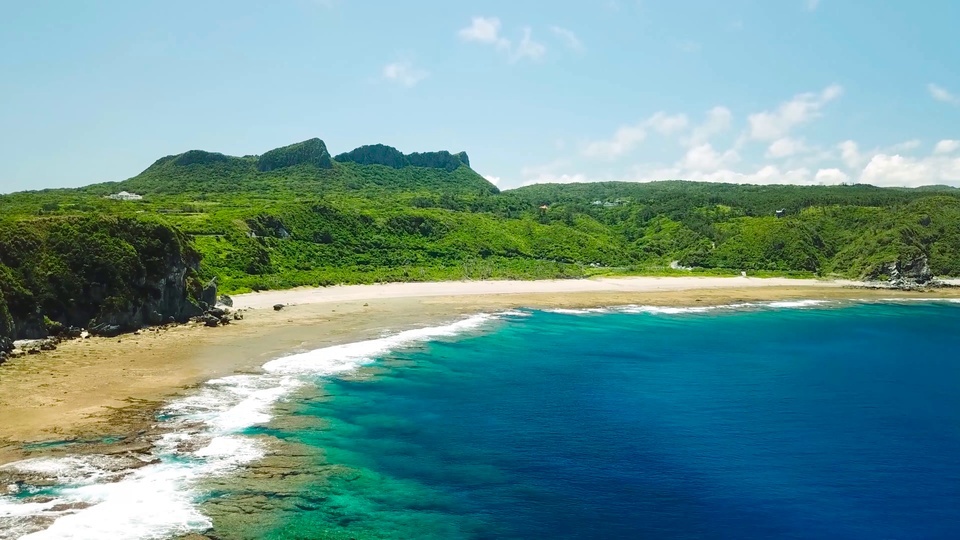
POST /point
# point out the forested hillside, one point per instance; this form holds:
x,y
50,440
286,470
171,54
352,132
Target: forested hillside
x,y
297,216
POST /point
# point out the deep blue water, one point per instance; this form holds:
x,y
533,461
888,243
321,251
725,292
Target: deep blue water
x,y
839,422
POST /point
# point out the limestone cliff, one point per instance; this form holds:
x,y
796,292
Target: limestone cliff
x,y
110,275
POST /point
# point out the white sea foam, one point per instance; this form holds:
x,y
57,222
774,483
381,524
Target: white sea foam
x,y
655,310
681,310
797,303
575,311
514,313
96,499
342,358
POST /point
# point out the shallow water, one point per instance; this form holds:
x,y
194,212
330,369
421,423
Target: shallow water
x,y
798,420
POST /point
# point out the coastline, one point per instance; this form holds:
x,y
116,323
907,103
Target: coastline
x,y
92,389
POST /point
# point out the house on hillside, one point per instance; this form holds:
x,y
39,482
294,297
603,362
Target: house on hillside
x,y
125,196
781,213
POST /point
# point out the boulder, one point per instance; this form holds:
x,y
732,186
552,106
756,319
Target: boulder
x,y
72,332
210,321
278,307
106,330
225,300
209,293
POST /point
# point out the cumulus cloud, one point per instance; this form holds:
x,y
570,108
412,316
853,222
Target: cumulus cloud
x,y
831,176
495,180
667,124
946,146
940,93
780,159
718,120
897,170
485,30
771,125
626,138
850,154
785,147
812,5
568,37
528,48
705,158
403,73
905,146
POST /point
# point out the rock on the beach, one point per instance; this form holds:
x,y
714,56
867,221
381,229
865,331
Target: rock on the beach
x,y
209,294
210,321
106,330
225,300
278,307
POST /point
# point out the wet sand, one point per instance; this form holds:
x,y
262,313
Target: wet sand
x,y
89,389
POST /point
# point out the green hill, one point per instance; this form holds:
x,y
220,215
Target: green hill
x,y
295,216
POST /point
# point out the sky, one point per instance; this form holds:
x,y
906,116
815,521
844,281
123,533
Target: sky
x,y
748,91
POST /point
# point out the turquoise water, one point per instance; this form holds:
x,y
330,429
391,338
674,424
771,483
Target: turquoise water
x,y
782,420
833,422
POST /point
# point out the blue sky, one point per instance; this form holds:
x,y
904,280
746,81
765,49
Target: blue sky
x,y
785,91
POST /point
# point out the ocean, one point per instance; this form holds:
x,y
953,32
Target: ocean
x,y
775,420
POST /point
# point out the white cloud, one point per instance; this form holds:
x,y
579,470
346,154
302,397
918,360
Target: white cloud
x,y
771,125
940,93
946,146
667,124
904,146
850,154
785,147
704,158
403,73
768,174
812,5
688,46
569,38
485,30
718,120
528,48
626,138
896,170
831,176
495,180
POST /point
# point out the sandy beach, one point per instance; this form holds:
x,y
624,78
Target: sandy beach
x,y
93,388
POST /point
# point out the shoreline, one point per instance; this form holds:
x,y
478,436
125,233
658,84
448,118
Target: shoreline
x,y
98,388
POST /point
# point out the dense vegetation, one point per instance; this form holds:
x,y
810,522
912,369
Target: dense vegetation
x,y
81,271
295,216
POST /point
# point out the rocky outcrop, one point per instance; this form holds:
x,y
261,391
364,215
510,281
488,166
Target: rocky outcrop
x,y
114,275
906,274
310,152
380,154
161,300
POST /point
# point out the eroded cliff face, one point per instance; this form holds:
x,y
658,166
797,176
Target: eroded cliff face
x,y
108,275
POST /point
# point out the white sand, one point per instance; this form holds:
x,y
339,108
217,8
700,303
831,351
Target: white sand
x,y
352,293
